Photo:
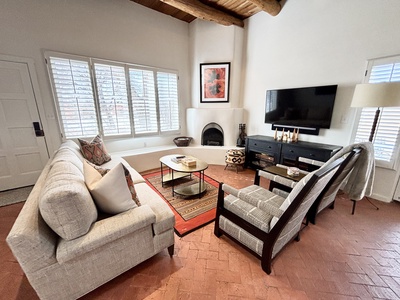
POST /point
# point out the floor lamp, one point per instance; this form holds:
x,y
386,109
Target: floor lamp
x,y
375,95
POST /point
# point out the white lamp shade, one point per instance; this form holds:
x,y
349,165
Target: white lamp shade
x,y
376,95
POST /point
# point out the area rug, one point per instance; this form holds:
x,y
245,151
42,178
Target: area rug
x,y
14,196
193,212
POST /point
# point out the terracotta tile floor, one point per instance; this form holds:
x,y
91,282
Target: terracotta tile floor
x,y
344,256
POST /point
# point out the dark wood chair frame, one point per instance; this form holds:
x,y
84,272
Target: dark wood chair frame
x,y
269,239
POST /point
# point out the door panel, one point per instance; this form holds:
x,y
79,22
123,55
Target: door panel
x,y
22,154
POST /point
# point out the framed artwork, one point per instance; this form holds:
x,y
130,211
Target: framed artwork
x,y
214,82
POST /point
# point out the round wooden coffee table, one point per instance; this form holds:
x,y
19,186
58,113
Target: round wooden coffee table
x,y
176,170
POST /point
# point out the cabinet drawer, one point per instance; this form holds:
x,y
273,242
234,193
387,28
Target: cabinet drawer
x,y
263,146
294,152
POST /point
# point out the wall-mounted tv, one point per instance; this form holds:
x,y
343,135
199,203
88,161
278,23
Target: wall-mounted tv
x,y
305,107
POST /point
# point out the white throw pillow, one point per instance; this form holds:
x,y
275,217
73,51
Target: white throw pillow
x,y
111,192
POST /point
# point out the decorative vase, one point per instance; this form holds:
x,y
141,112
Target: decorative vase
x,y
242,136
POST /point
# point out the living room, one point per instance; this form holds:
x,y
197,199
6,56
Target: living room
x,y
334,42
307,44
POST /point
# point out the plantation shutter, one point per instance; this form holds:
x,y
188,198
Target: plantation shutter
x,y
167,86
97,96
74,92
386,140
113,99
144,103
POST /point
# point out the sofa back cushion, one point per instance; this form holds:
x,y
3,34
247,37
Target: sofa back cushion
x,y
65,202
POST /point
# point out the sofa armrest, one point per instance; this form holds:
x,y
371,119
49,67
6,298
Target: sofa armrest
x,y
106,231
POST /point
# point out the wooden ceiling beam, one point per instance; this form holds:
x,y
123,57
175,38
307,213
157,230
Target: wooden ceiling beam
x,y
205,12
272,7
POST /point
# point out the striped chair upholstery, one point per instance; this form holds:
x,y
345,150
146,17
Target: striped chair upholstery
x,y
328,195
263,222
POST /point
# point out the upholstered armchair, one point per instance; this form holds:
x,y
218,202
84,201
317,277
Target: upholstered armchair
x,y
327,197
264,222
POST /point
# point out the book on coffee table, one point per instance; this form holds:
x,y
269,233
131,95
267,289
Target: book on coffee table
x,y
177,159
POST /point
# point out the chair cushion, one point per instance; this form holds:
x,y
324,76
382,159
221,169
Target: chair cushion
x,y
264,199
248,212
65,202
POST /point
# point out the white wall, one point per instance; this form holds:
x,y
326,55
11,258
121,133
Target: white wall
x,y
317,43
117,30
213,43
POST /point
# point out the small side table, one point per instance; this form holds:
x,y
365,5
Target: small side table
x,y
283,173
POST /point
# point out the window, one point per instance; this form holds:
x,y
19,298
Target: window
x,y
114,99
386,140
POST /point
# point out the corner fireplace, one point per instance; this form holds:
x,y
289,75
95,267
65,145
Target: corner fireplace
x,y
212,135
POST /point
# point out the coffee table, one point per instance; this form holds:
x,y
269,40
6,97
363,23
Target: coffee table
x,y
283,173
178,170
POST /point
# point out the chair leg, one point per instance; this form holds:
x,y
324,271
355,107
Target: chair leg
x,y
354,207
220,205
266,265
297,238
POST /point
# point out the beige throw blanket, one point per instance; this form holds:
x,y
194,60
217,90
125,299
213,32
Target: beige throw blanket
x,y
361,179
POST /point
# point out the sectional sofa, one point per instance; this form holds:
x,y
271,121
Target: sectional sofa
x,y
67,247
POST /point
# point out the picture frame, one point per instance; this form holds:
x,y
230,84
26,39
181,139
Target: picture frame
x,y
214,82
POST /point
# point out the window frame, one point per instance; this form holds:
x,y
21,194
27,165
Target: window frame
x,y
94,86
393,164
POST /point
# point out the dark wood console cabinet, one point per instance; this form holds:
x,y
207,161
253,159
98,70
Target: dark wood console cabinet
x,y
263,151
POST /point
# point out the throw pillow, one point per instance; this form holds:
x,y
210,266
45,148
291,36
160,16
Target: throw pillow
x,y
128,177
94,151
110,192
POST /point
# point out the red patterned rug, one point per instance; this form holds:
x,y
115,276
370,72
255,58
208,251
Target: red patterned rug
x,y
191,213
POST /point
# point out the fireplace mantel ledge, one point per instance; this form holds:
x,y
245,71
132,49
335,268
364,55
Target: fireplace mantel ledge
x,y
145,159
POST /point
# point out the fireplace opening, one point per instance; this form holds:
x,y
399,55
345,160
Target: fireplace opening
x,y
212,135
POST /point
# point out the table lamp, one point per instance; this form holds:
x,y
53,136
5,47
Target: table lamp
x,y
376,95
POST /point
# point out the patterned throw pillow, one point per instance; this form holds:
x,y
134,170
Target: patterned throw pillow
x,y
128,178
94,151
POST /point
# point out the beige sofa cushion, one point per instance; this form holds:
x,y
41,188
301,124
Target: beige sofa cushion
x,y
165,219
110,192
65,202
136,177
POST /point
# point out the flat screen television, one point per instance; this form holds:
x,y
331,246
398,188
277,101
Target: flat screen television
x,y
306,107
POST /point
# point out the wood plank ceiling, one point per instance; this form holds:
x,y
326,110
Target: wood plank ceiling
x,y
225,12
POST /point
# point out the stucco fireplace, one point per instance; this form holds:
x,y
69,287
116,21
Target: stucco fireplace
x,y
228,119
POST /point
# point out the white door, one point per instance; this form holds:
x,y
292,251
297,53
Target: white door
x,y
22,153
